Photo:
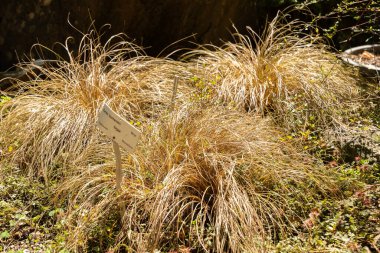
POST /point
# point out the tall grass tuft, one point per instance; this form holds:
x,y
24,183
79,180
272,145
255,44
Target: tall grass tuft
x,y
51,121
281,71
207,178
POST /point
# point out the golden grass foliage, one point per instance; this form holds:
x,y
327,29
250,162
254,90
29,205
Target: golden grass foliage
x,y
52,122
278,71
214,178
204,175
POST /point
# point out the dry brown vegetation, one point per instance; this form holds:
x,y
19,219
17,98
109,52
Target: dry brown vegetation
x,y
278,71
188,180
206,174
52,121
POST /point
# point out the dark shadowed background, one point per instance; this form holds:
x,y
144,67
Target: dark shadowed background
x,y
156,24
151,23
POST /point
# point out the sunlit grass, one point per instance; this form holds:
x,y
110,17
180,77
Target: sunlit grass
x,y
51,122
207,178
211,173
281,71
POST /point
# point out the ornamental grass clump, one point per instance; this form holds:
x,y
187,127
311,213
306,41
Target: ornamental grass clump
x,y
209,179
283,71
51,120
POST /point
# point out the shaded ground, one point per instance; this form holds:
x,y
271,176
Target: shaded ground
x,y
29,222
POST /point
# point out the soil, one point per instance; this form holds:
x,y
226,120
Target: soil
x,y
366,58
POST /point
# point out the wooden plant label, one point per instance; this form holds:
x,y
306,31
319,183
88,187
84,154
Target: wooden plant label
x,y
121,132
118,129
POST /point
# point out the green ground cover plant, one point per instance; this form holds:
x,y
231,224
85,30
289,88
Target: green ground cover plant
x,y
28,220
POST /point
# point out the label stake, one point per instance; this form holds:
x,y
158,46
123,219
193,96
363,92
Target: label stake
x,y
119,172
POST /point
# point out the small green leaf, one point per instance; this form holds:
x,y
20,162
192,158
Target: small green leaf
x,y
5,235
